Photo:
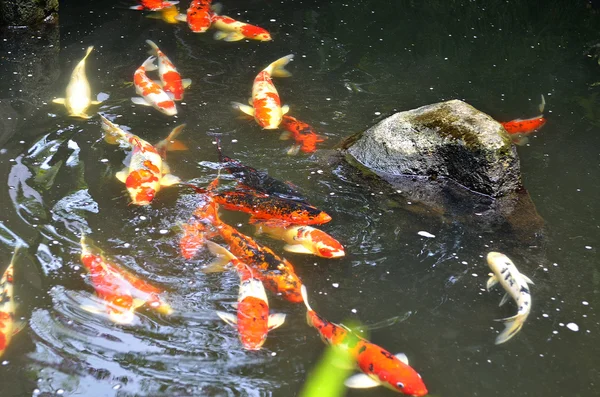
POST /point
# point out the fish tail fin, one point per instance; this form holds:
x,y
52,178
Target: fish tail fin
x,y
111,130
223,257
278,69
139,8
149,64
154,47
170,143
512,325
87,52
305,298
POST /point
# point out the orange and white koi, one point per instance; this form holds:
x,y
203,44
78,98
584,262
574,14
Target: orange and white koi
x,y
121,291
172,83
253,320
154,5
198,16
379,366
151,93
305,136
231,30
9,326
266,106
146,172
304,240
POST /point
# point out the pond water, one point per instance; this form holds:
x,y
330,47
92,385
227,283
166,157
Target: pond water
x,y
355,63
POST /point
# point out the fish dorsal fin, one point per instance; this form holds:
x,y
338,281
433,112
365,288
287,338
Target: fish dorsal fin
x,y
361,381
186,82
228,318
60,101
285,109
402,357
276,320
505,299
169,180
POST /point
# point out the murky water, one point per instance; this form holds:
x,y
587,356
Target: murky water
x,y
355,63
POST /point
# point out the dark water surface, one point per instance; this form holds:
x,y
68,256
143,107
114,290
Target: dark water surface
x,y
355,63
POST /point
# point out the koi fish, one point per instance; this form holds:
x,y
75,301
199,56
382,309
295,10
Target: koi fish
x,y
9,327
515,283
276,273
121,291
253,320
151,93
274,211
79,93
154,5
266,106
305,136
146,172
524,126
257,180
172,83
198,16
231,30
379,367
168,14
305,240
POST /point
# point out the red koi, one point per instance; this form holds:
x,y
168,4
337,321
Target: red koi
x,y
121,291
253,320
151,93
305,136
199,15
273,210
153,5
171,80
266,106
379,366
232,30
9,326
527,126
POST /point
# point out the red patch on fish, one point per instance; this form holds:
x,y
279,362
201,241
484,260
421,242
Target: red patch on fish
x,y
139,177
2,341
524,126
166,104
199,16
304,134
146,194
173,84
252,31
151,166
253,322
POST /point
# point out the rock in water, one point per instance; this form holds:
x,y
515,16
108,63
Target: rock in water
x,y
448,139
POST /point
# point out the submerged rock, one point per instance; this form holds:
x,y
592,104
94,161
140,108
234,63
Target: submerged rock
x,y
449,139
27,12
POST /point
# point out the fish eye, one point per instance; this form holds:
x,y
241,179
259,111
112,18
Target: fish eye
x,y
400,385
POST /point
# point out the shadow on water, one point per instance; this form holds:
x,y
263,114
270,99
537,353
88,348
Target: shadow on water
x,y
356,62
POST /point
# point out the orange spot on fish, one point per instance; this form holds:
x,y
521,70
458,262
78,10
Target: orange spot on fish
x,y
166,104
139,177
150,165
145,195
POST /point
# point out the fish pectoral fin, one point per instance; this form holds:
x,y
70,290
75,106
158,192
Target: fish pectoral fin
x,y
402,357
297,249
181,17
293,150
95,102
219,251
250,101
276,320
228,318
122,175
217,8
268,222
505,299
249,110
491,282
285,109
361,381
220,262
173,146
231,36
60,101
18,326
186,82
169,180
138,100
285,135
527,279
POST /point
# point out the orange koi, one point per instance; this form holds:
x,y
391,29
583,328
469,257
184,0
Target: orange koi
x,y
253,320
231,30
266,106
121,291
171,80
198,16
305,240
9,327
276,273
146,172
151,93
275,211
153,5
379,366
524,126
305,136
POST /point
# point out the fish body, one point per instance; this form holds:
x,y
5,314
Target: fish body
x,y
146,172
257,180
198,15
524,126
9,326
121,291
172,83
379,366
79,96
151,93
154,5
277,274
253,320
305,240
305,136
168,14
515,284
272,210
231,30
266,106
